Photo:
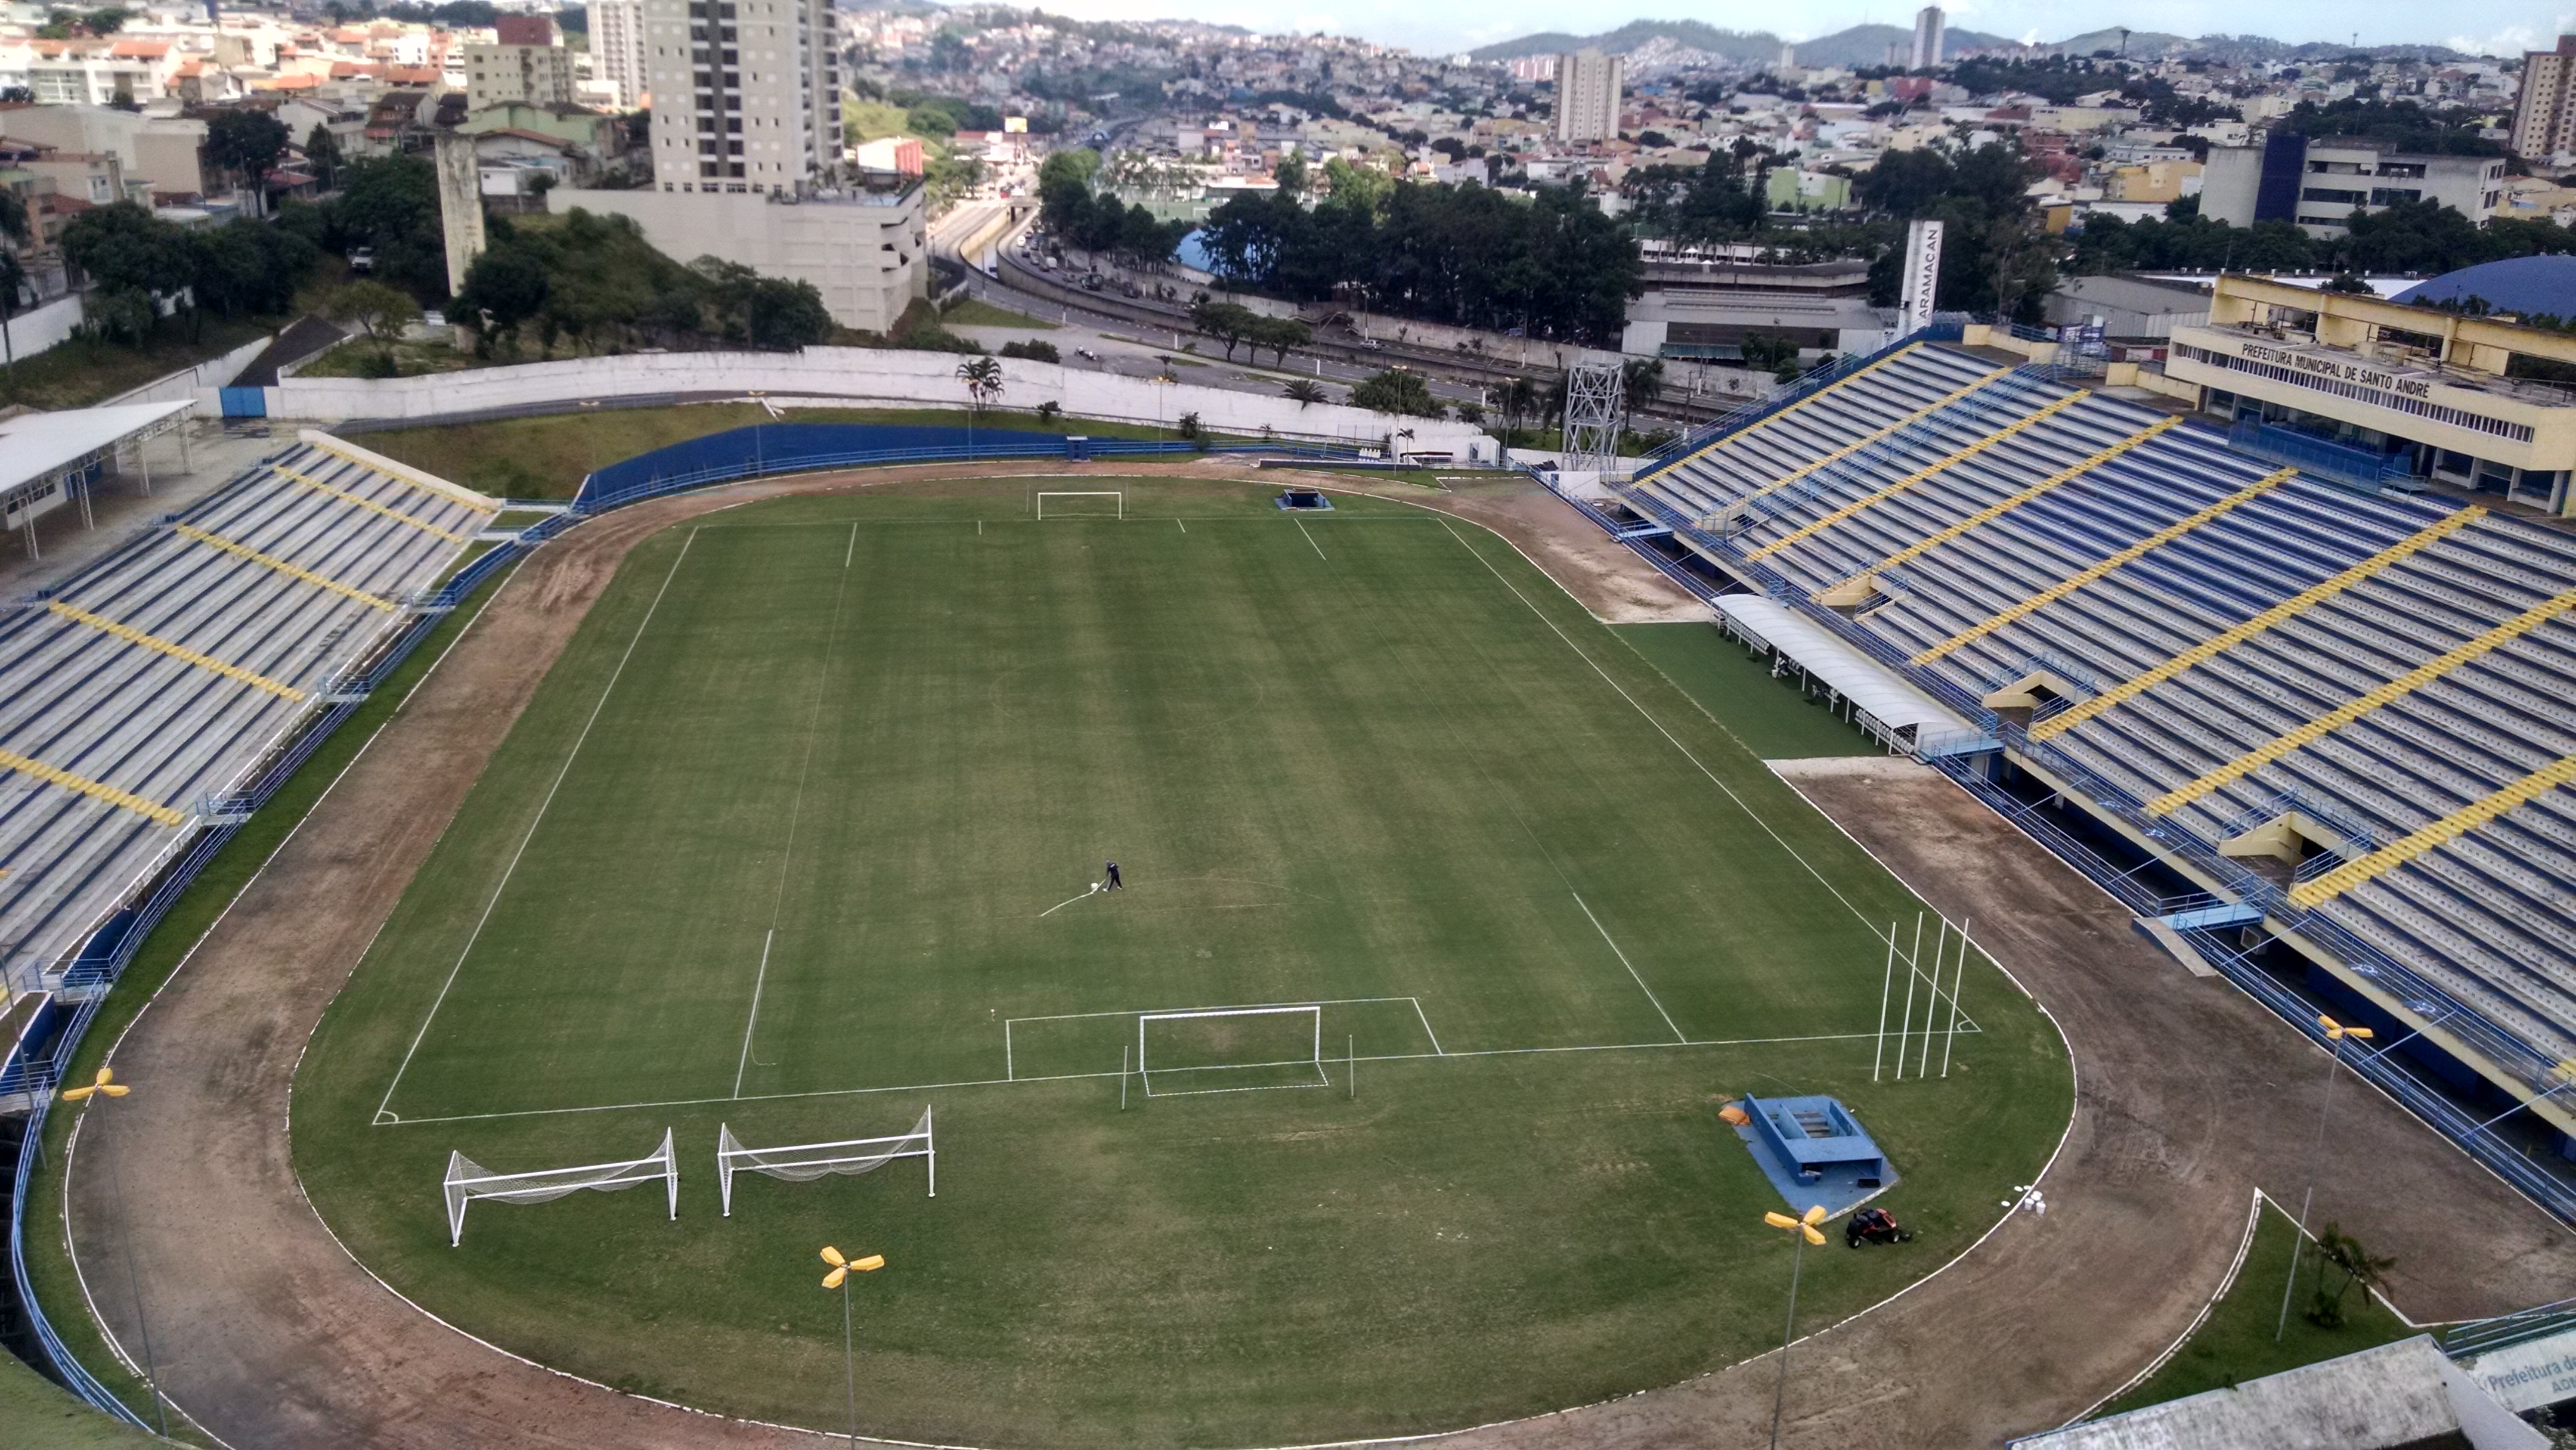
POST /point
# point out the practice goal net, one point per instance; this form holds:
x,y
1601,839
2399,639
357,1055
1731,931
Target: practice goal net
x,y
468,1180
1230,1049
805,1162
1099,503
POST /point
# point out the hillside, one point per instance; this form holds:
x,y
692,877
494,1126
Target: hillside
x,y
1867,45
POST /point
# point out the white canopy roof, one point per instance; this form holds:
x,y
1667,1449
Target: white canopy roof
x,y
1858,678
38,445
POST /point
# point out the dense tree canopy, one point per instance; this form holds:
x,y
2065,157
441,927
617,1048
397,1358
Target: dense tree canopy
x,y
1467,256
2412,237
144,266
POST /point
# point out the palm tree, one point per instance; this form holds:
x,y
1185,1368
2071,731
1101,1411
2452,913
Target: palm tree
x,y
1305,392
983,379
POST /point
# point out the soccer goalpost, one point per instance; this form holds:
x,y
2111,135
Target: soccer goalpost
x,y
468,1180
1117,495
1231,1049
805,1162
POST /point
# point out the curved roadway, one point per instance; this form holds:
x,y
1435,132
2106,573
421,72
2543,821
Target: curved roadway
x,y
269,1335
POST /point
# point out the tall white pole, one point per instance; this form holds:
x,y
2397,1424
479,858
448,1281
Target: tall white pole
x,y
1780,1390
1886,989
1932,1004
1958,980
2298,1238
849,1359
930,1136
1913,969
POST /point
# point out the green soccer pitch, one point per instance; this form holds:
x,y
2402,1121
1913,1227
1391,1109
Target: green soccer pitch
x,y
798,838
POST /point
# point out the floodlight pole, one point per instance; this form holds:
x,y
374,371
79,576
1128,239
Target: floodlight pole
x,y
849,1360
1780,1388
134,1285
2298,1239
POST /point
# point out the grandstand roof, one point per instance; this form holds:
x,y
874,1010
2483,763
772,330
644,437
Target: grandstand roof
x,y
1856,676
37,445
2525,285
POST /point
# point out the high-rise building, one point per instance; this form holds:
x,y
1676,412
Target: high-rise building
x,y
2544,114
1587,96
528,63
1927,39
617,50
746,94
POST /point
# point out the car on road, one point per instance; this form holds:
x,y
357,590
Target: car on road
x,y
362,259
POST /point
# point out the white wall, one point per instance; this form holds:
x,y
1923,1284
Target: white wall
x,y
198,382
39,328
843,376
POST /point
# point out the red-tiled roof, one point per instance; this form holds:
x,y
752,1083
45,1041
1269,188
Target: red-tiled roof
x,y
141,49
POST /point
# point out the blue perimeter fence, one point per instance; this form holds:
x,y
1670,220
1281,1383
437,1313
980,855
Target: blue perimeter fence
x,y
759,451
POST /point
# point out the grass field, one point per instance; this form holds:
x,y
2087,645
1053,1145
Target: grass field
x,y
2245,1338
797,838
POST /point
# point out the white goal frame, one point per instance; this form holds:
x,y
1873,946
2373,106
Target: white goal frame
x,y
805,1162
1144,1071
1119,494
468,1180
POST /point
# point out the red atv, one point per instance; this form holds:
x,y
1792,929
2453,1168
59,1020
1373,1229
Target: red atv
x,y
1874,1226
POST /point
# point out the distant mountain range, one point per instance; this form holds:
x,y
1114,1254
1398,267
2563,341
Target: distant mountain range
x,y
1672,42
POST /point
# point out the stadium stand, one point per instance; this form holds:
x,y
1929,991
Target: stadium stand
x,y
139,696
2347,718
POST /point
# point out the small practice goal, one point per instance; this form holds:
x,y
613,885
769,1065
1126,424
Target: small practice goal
x,y
805,1162
468,1180
1230,1049
1116,507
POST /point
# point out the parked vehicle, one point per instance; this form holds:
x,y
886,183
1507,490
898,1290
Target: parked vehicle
x,y
362,260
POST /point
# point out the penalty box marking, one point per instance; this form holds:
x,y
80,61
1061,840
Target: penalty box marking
x,y
960,1084
1010,1071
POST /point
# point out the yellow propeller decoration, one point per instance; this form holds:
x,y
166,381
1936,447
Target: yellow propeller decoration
x,y
106,1083
2337,1032
843,1268
1806,1225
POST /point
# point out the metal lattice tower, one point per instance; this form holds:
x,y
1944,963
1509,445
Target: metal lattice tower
x,y
1595,394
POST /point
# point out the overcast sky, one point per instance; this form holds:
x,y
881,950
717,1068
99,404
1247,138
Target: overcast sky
x,y
2499,27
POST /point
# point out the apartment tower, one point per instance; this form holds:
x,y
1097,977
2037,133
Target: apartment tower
x,y
1587,96
2544,114
746,94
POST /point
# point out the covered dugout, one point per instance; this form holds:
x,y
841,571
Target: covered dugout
x,y
48,460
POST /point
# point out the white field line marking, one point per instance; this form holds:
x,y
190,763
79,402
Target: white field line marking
x,y
1226,1007
1668,735
796,810
1184,527
512,869
983,1082
1678,1034
1426,1027
758,981
1068,901
1310,541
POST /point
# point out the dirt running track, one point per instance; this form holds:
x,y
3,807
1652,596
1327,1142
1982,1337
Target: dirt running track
x,y
269,1336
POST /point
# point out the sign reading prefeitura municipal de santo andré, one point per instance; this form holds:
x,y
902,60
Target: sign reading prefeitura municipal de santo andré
x,y
2529,1375
2359,374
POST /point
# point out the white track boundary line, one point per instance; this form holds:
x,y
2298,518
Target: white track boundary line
x,y
1068,901
1310,542
512,869
1668,735
796,807
759,980
1678,1034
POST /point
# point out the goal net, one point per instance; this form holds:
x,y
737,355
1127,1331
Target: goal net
x,y
805,1162
1230,1049
468,1180
1102,503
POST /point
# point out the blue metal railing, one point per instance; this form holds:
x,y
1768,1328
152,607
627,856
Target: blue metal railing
x,y
2487,1335
2342,462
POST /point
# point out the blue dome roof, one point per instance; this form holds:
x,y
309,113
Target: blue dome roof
x,y
2524,285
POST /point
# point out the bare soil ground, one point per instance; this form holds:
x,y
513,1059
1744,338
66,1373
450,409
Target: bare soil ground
x,y
269,1335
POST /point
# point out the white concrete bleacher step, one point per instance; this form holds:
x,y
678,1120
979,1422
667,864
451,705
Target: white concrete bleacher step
x,y
2172,941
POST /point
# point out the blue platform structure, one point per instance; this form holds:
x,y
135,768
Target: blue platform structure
x,y
1814,1151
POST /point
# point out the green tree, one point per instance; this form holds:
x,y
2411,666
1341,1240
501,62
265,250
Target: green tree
x,y
245,143
322,153
2347,1266
1396,390
379,311
786,315
504,288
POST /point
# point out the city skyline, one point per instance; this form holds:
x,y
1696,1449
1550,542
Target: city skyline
x,y
2502,30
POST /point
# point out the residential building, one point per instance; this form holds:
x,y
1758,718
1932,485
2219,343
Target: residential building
x,y
2544,112
1705,308
2319,182
1926,52
746,95
164,153
617,50
890,155
2128,309
2378,391
862,250
1588,86
527,63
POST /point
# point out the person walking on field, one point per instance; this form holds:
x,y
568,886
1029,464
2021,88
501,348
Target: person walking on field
x,y
1114,883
